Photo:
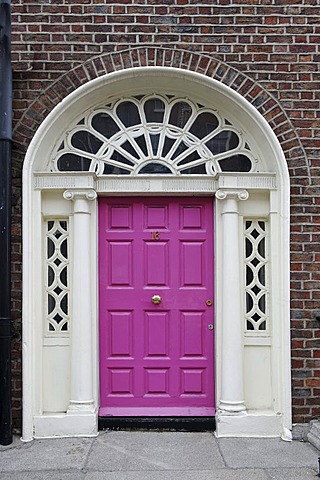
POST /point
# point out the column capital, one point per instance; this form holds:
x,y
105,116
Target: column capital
x,y
87,194
234,194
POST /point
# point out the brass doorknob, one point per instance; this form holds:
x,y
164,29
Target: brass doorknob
x,y
156,299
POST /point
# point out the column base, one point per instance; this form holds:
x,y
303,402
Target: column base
x,y
80,408
248,424
231,407
77,424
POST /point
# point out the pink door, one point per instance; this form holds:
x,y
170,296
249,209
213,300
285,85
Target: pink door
x,y
156,358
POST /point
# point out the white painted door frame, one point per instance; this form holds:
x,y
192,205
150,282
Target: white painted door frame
x,y
43,197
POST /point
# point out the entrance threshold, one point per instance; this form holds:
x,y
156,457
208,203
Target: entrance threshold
x,y
190,424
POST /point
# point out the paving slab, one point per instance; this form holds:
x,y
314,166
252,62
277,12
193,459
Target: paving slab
x,y
56,454
219,474
292,474
267,453
144,451
128,455
56,475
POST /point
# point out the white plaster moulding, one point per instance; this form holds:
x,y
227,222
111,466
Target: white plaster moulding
x,y
55,341
121,83
133,81
249,424
154,183
64,425
257,340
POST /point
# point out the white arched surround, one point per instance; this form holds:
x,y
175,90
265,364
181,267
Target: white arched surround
x,y
253,395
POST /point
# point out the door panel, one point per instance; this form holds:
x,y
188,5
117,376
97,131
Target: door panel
x,y
156,359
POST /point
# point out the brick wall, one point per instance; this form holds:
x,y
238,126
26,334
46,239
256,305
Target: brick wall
x,y
266,50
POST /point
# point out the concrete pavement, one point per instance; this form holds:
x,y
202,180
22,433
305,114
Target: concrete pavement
x,y
126,455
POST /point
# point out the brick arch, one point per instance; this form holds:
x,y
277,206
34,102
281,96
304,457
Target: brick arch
x,y
268,106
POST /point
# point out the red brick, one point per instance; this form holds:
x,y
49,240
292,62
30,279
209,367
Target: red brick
x,y
254,47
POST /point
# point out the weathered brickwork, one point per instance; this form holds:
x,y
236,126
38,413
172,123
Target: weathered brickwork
x,y
267,50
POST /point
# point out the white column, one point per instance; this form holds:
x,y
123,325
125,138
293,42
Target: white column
x,y
232,393
81,392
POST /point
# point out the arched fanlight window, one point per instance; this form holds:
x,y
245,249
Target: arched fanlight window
x,y
153,134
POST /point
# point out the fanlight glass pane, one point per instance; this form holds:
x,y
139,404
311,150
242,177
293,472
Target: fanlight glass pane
x,y
113,170
118,157
182,147
129,148
85,141
154,110
223,142
154,167
198,170
236,163
168,143
190,158
104,124
204,124
141,142
128,113
69,162
180,114
155,143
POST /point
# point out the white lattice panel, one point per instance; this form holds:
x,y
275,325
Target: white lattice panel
x,y
256,275
57,277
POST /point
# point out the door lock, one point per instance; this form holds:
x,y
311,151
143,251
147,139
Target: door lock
x,y
210,326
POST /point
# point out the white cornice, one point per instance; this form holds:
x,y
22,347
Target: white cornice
x,y
154,184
